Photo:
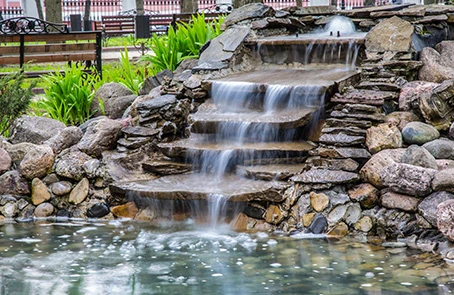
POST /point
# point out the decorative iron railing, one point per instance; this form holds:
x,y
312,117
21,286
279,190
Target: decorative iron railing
x,y
30,25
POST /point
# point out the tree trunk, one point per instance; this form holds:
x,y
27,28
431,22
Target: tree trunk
x,y
87,10
299,3
189,6
39,8
139,7
239,3
54,11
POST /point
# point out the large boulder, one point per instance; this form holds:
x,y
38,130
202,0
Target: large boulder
x,y
13,183
64,139
441,148
371,170
419,156
37,162
107,92
408,179
393,200
438,63
70,164
393,34
428,207
116,106
419,133
444,180
100,136
410,93
383,136
248,11
34,129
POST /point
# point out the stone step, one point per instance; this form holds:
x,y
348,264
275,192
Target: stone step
x,y
166,167
322,176
200,187
382,86
341,139
341,152
201,146
364,96
210,119
270,172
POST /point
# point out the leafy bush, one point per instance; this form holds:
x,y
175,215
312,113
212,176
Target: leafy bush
x,y
14,99
168,51
68,96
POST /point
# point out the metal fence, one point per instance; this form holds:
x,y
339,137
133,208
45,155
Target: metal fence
x,y
97,8
8,12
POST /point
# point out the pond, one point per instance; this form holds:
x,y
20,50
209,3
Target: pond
x,y
184,258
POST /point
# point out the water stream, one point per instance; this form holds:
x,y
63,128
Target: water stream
x,y
179,258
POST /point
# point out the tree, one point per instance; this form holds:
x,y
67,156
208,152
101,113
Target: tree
x,y
87,11
54,11
139,7
39,8
189,6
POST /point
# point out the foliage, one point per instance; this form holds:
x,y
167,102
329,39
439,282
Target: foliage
x,y
68,95
14,99
168,51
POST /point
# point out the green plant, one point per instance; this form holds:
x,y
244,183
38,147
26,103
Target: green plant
x,y
180,44
68,96
130,78
14,99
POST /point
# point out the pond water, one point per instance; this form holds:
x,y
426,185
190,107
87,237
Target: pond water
x,y
181,258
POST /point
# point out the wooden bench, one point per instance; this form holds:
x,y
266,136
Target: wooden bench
x,y
28,40
117,25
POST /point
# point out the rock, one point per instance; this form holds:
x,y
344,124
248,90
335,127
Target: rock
x,y
393,34
13,183
223,47
65,138
363,96
342,153
248,11
274,214
408,179
37,162
240,223
98,210
100,136
128,210
116,106
5,160
365,224
107,92
435,110
319,201
151,83
440,148
371,170
9,210
40,193
318,225
383,136
338,231
438,62
444,181
341,139
337,214
337,195
352,214
428,207
308,218
80,192
400,119
451,132
445,164
410,93
419,156
325,176
34,129
146,214
149,107
364,193
61,188
18,151
334,164
44,210
70,164
419,133
393,200
445,217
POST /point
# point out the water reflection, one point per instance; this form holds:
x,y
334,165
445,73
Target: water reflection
x,y
132,258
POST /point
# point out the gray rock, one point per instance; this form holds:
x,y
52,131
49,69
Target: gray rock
x,y
445,164
151,106
37,162
9,210
383,136
438,62
44,210
444,181
318,225
61,188
451,131
116,106
5,160
408,179
13,183
107,92
419,156
64,139
393,34
70,164
325,176
18,151
185,65
419,133
371,170
155,81
79,192
445,218
336,214
100,136
428,207
248,11
352,214
393,200
400,119
441,148
34,129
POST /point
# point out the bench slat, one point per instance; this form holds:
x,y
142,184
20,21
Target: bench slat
x,y
49,48
48,58
79,36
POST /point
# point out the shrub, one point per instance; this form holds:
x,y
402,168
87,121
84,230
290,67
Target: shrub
x,y
14,99
68,96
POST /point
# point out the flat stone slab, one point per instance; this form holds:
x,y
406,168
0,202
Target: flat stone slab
x,y
209,119
166,167
326,176
270,172
200,187
196,145
302,39
364,96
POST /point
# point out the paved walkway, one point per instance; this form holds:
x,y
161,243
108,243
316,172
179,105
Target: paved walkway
x,y
113,53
